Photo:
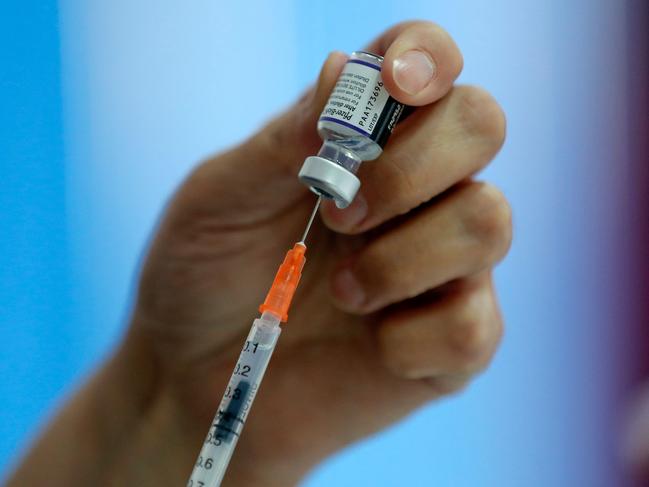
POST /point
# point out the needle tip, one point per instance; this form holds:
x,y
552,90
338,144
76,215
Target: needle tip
x,y
311,218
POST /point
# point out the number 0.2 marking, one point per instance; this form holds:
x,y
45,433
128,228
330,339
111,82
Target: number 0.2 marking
x,y
242,370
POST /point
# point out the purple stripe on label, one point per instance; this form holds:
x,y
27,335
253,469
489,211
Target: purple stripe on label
x,y
348,125
365,63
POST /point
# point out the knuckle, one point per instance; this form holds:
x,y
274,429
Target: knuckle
x,y
471,340
276,134
395,177
393,351
276,142
378,269
481,116
404,178
394,345
490,220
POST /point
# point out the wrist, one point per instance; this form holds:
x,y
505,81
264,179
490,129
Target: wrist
x,y
95,425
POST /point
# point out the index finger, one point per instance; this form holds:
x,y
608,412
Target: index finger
x,y
421,61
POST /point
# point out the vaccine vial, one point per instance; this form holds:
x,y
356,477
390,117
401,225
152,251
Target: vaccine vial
x,y
355,125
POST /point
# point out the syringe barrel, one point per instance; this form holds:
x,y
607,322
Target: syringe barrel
x,y
237,400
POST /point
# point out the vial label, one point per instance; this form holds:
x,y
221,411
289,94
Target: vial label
x,y
360,102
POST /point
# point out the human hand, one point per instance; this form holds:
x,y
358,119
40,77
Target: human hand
x,y
396,306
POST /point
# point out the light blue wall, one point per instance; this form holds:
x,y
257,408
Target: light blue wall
x,y
39,345
147,91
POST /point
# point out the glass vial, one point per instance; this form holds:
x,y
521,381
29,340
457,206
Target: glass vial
x,y
355,125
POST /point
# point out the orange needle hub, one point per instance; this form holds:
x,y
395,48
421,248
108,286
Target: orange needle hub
x,y
279,297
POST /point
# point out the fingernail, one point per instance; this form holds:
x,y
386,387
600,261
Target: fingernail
x,y
347,288
413,70
350,216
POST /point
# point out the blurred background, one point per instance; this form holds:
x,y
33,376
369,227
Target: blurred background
x,y
105,106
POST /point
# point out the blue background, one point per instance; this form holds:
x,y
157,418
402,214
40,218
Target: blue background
x,y
104,106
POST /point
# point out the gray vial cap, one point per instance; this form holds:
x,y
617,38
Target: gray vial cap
x,y
328,178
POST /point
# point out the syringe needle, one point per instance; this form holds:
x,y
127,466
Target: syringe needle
x,y
311,218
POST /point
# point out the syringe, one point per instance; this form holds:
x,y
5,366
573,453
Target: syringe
x,y
248,373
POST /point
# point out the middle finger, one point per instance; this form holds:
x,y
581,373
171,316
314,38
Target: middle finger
x,y
465,232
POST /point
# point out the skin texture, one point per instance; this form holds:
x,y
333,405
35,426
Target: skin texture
x,y
396,306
